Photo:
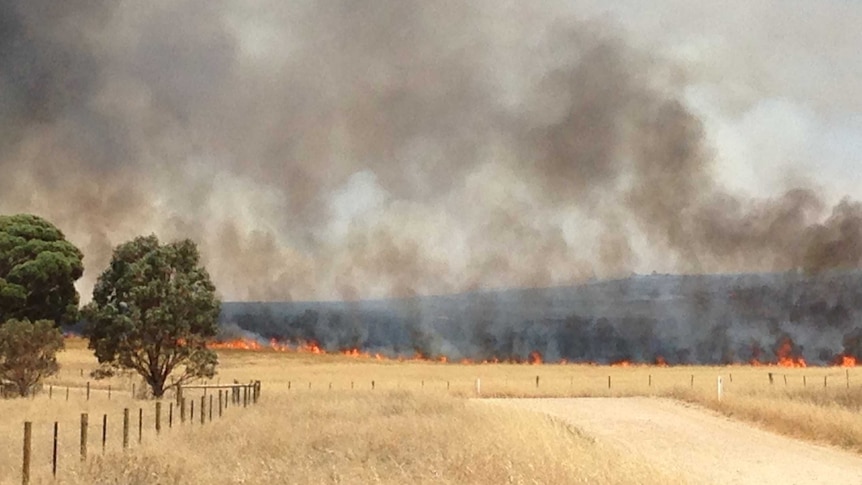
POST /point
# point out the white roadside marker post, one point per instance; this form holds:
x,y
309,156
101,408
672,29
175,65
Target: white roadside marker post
x,y
478,387
719,388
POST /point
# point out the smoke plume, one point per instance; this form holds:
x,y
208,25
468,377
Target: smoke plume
x,y
356,149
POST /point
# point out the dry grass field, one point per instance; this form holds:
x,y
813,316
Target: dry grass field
x,y
321,421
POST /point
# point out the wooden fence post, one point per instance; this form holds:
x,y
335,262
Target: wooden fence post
x,y
67,393
54,450
170,415
770,378
109,392
50,392
537,382
692,380
125,428
847,375
210,410
804,383
183,411
203,406
158,417
85,422
28,440
649,384
104,432
824,381
88,390
372,385
192,410
140,425
609,382
220,403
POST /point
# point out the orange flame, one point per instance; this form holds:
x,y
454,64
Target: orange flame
x,y
845,361
535,358
785,357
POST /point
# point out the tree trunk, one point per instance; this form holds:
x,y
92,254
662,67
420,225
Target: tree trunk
x,y
23,388
158,387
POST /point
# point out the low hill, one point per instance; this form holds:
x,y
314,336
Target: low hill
x,y
677,318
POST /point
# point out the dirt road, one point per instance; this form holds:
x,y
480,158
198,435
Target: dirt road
x,y
698,444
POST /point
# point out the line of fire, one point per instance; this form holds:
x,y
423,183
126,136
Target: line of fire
x,y
784,355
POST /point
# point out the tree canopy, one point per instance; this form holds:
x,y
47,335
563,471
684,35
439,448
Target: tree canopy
x,y
38,270
28,352
153,310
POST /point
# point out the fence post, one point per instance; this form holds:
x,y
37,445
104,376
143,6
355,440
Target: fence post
x,y
649,384
28,439
537,382
203,409
609,382
170,415
372,385
847,375
824,381
104,432
692,380
220,402
158,417
183,411
67,393
210,410
85,422
88,390
140,425
804,383
50,392
54,450
109,392
125,428
770,378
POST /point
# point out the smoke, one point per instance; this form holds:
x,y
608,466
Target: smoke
x,y
352,149
696,319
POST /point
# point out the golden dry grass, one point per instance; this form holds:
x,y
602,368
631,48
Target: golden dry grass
x,y
319,421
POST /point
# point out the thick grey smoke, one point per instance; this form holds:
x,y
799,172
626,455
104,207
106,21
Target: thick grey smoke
x,y
353,149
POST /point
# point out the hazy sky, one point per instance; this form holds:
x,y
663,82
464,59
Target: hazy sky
x,y
349,149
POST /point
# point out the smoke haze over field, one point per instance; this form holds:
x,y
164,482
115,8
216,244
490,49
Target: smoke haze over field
x,y
355,149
